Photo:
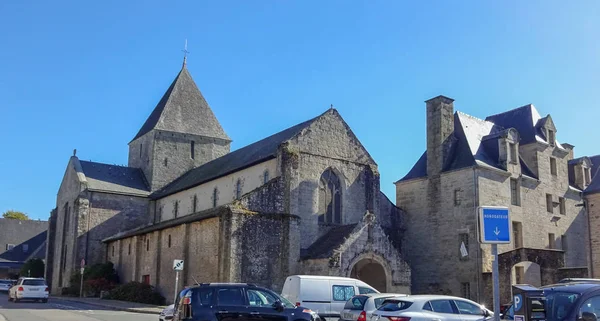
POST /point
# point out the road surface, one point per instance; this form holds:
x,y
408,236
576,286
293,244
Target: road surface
x,y
60,310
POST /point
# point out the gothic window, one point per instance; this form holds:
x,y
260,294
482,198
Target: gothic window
x,y
330,201
215,197
192,149
266,176
238,189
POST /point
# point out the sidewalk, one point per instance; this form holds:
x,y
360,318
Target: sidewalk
x,y
115,305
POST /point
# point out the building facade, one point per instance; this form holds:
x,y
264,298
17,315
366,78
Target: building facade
x,y
304,200
511,159
585,173
20,240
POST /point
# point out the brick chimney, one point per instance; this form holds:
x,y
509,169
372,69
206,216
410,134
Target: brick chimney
x,y
440,125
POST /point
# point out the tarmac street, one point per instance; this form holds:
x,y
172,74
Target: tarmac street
x,y
61,310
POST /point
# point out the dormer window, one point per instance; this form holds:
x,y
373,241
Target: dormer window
x,y
513,153
551,137
587,176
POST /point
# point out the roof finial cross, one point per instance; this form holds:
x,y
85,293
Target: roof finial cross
x,y
331,106
185,52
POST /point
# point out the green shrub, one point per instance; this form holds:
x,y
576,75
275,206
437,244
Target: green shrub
x,y
96,278
33,268
136,292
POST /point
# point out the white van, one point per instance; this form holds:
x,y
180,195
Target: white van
x,y
325,295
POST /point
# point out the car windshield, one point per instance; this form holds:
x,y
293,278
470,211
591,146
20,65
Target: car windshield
x,y
378,302
5,282
559,304
394,305
356,303
285,301
34,282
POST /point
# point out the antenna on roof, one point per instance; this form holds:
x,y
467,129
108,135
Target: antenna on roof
x,y
185,52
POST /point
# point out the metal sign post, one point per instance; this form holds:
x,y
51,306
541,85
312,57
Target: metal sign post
x,y
81,281
177,266
495,226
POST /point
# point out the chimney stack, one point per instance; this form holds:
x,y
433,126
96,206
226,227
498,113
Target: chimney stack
x,y
440,125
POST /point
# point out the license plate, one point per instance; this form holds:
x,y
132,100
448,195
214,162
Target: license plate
x,y
34,289
348,316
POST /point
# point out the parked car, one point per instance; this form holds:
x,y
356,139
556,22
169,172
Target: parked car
x,y
580,280
5,285
567,302
29,289
430,307
326,295
362,306
240,301
167,313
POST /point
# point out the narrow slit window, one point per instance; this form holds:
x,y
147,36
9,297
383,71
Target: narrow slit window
x,y
551,137
169,240
194,204
266,176
513,157
551,241
129,249
147,245
515,192
549,205
193,149
215,197
553,169
141,150
238,189
176,208
563,206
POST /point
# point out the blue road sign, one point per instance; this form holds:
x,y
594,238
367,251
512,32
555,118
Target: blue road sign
x,y
495,225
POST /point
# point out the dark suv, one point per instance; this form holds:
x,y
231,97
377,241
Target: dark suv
x,y
234,301
567,302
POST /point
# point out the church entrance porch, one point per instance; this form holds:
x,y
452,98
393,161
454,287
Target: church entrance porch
x,y
362,251
370,272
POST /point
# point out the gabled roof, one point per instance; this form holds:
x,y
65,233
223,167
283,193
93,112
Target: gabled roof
x,y
594,186
237,160
114,178
323,247
474,141
183,109
27,236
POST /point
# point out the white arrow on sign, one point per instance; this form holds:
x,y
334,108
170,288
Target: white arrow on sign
x,y
497,231
178,265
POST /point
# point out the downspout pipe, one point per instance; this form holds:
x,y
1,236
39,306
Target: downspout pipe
x,y
475,206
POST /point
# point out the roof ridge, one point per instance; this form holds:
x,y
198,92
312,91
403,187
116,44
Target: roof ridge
x,y
92,162
510,110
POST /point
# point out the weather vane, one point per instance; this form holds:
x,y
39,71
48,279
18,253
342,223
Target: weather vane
x,y
185,52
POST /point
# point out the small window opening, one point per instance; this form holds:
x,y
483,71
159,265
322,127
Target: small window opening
x,y
457,195
113,250
549,205
563,205
551,137
238,189
141,150
551,241
553,169
266,176
147,245
169,240
466,290
215,197
194,204
513,157
192,149
129,249
176,208
515,192
166,162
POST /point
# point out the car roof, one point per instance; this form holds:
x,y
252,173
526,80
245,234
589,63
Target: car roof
x,y
27,278
427,297
574,287
381,295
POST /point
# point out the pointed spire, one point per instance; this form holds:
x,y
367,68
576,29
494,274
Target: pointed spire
x,y
185,52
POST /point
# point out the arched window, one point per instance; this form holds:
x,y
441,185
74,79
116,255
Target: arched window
x,y
238,189
330,200
266,176
215,197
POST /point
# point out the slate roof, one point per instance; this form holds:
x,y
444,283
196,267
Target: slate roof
x,y
475,141
324,246
114,178
244,157
21,233
594,186
183,109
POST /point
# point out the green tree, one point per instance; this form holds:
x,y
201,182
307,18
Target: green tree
x,y
15,215
33,268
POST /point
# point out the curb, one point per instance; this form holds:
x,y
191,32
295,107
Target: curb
x,y
134,310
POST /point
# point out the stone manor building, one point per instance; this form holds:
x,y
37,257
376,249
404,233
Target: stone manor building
x,y
512,159
305,200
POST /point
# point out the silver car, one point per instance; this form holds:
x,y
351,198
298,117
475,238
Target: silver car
x,y
361,307
5,285
430,307
167,313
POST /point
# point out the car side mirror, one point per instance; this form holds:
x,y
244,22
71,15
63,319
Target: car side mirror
x,y
485,313
588,316
278,305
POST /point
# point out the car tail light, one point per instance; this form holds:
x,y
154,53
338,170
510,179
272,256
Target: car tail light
x,y
399,318
47,290
20,289
297,304
362,316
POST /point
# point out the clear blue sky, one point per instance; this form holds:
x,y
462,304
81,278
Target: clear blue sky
x,y
86,74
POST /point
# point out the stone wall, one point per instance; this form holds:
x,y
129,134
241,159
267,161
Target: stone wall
x,y
50,245
327,143
167,155
593,206
264,248
437,214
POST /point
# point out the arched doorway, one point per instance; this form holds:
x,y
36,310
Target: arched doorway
x,y
526,272
370,272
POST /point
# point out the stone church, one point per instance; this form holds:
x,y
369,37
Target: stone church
x,y
305,200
